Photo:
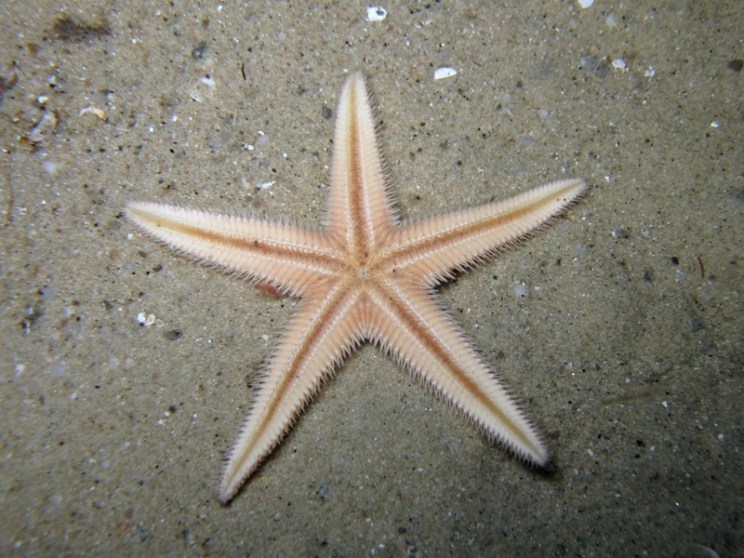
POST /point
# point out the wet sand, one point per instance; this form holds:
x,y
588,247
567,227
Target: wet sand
x,y
126,371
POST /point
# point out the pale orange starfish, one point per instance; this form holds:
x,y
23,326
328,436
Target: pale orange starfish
x,y
364,276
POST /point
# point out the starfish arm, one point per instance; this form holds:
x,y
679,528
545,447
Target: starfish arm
x,y
413,326
433,247
360,207
286,256
322,332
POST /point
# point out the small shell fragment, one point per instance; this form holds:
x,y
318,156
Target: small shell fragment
x,y
620,64
376,13
44,128
92,109
444,72
584,4
145,320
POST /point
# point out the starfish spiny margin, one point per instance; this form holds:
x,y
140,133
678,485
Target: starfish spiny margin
x,y
364,276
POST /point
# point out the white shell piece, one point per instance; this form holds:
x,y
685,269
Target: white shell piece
x,y
445,72
620,64
376,13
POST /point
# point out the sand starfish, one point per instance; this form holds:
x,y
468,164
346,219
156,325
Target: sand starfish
x,y
364,275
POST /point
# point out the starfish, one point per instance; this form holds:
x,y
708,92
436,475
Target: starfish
x,y
364,275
